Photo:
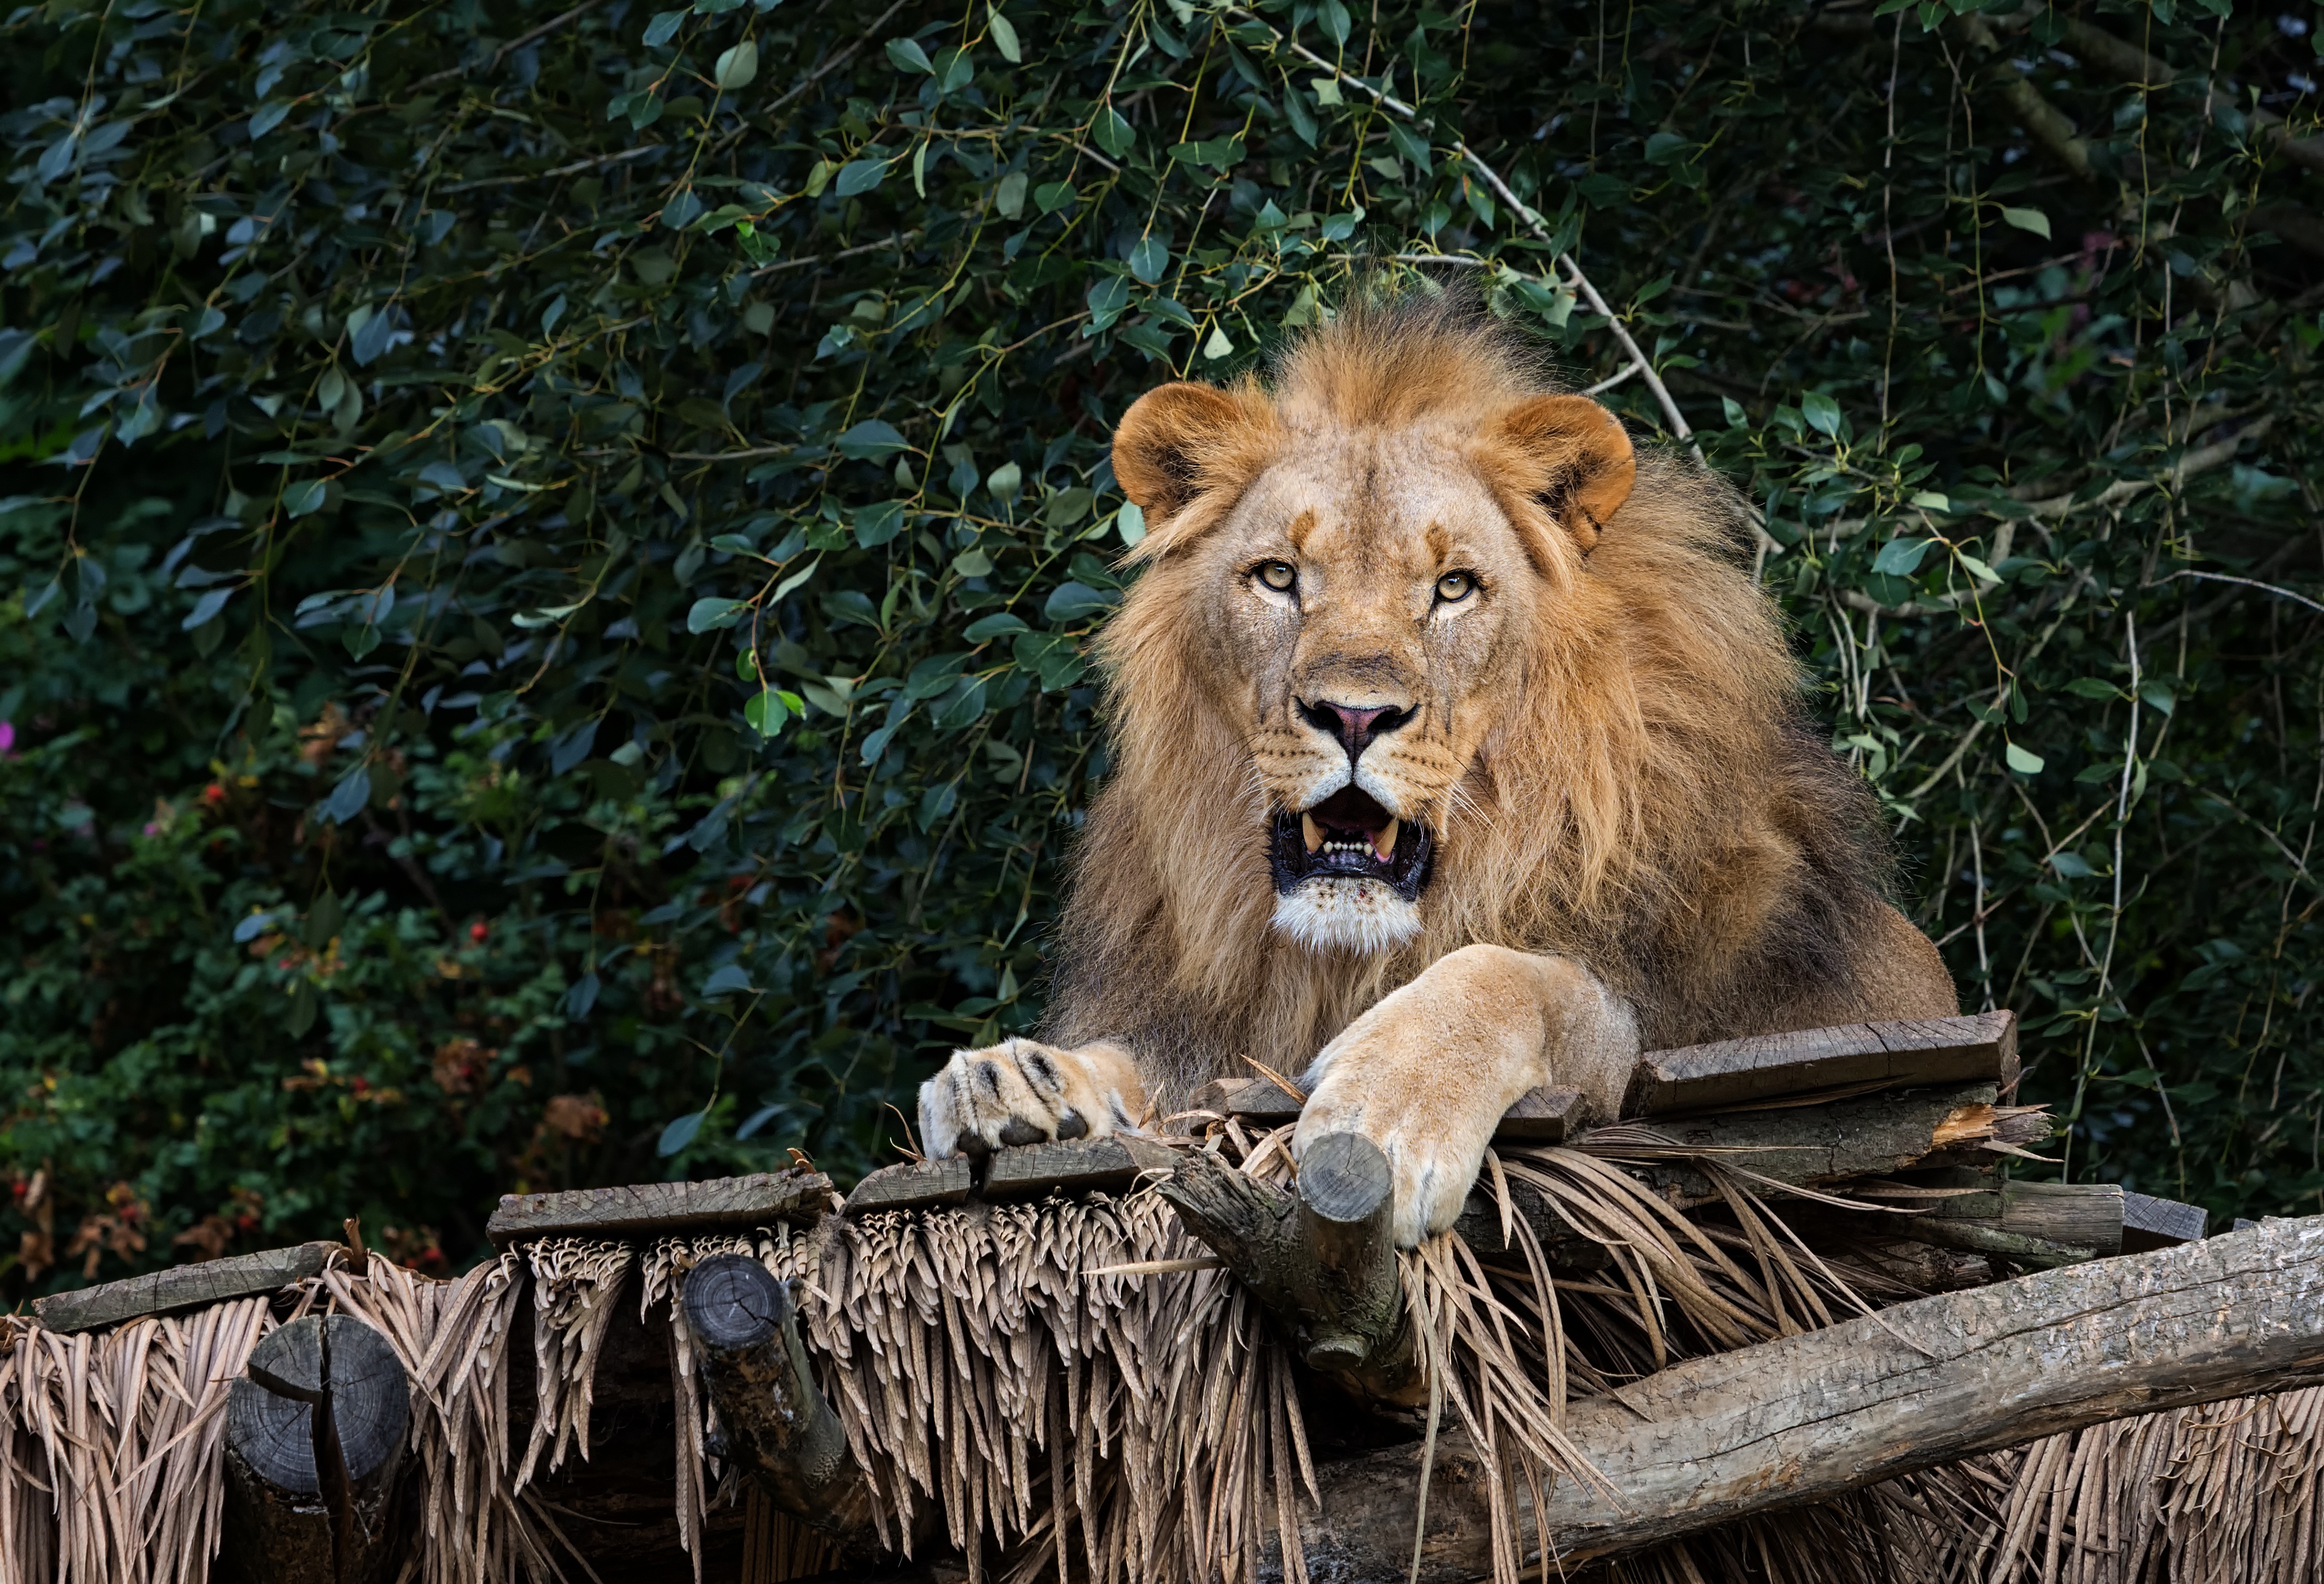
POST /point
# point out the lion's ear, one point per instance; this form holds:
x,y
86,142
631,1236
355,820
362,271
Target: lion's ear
x,y
1178,440
1577,461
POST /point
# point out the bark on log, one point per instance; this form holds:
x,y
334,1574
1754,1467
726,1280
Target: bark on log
x,y
1323,1261
771,1411
1812,1417
314,1443
183,1287
651,1210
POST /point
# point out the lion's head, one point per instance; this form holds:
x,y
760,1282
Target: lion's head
x,y
1355,569
1423,654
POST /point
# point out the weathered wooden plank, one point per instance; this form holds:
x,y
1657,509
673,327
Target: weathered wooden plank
x,y
1982,1048
1959,1208
2149,1223
1261,1101
1541,1116
1079,1166
648,1210
183,1287
914,1186
1812,1417
1864,1135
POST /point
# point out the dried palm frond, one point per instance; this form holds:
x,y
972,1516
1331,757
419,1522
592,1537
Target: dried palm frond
x,y
1072,1389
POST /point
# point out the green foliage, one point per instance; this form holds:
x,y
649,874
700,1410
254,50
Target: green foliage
x,y
550,552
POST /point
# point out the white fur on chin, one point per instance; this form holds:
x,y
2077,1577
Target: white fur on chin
x,y
1339,915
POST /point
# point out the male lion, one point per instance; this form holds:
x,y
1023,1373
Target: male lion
x,y
1454,754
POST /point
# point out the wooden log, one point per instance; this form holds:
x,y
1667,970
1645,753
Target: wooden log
x,y
1542,1116
1813,1416
183,1287
651,1210
1260,1103
1479,1226
2149,1223
1865,1135
1322,1261
1346,1204
1077,1166
913,1185
2035,1225
772,1414
314,1444
1980,1049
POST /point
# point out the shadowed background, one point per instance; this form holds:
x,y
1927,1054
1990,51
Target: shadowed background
x,y
547,554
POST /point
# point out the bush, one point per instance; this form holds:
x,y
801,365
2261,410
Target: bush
x,y
552,551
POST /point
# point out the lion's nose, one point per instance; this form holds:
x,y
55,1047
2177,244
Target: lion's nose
x,y
1355,727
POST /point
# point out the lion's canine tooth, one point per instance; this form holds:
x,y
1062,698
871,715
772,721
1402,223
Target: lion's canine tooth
x,y
1312,832
1384,840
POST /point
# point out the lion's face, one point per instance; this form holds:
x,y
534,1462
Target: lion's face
x,y
1359,604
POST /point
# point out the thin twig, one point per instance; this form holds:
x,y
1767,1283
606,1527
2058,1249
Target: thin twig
x,y
513,46
1574,278
575,169
2246,582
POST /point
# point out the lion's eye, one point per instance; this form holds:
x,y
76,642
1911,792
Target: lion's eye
x,y
1278,576
1454,586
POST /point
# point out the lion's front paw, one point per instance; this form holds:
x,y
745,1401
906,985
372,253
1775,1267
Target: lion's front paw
x,y
1432,1158
1021,1092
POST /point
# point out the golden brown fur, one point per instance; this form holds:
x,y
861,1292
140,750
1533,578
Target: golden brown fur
x,y
1454,754
1647,800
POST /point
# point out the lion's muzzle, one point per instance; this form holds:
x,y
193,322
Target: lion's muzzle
x,y
1349,836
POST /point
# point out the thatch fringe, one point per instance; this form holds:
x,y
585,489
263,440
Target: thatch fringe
x,y
1015,1394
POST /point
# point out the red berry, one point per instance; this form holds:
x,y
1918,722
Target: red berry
x,y
213,793
478,932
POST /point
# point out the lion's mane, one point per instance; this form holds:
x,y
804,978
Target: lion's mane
x,y
1652,801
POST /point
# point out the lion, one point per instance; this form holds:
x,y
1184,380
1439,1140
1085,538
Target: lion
x,y
1455,752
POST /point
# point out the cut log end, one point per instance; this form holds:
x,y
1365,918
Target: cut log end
x,y
732,1302
1344,1180
315,1437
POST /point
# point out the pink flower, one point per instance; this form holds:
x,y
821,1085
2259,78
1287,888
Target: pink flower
x,y
8,738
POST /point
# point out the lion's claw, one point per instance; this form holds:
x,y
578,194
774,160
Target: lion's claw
x,y
1021,1092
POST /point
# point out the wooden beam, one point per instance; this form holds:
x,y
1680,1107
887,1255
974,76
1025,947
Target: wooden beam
x,y
651,1210
1078,1165
2036,1225
1541,1116
913,1185
1027,1170
183,1287
1980,1049
1865,1135
315,1434
2149,1223
1812,1417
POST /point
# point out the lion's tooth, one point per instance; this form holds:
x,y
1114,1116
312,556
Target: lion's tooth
x,y
1384,840
1312,832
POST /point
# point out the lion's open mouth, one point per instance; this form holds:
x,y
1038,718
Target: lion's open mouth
x,y
1350,837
